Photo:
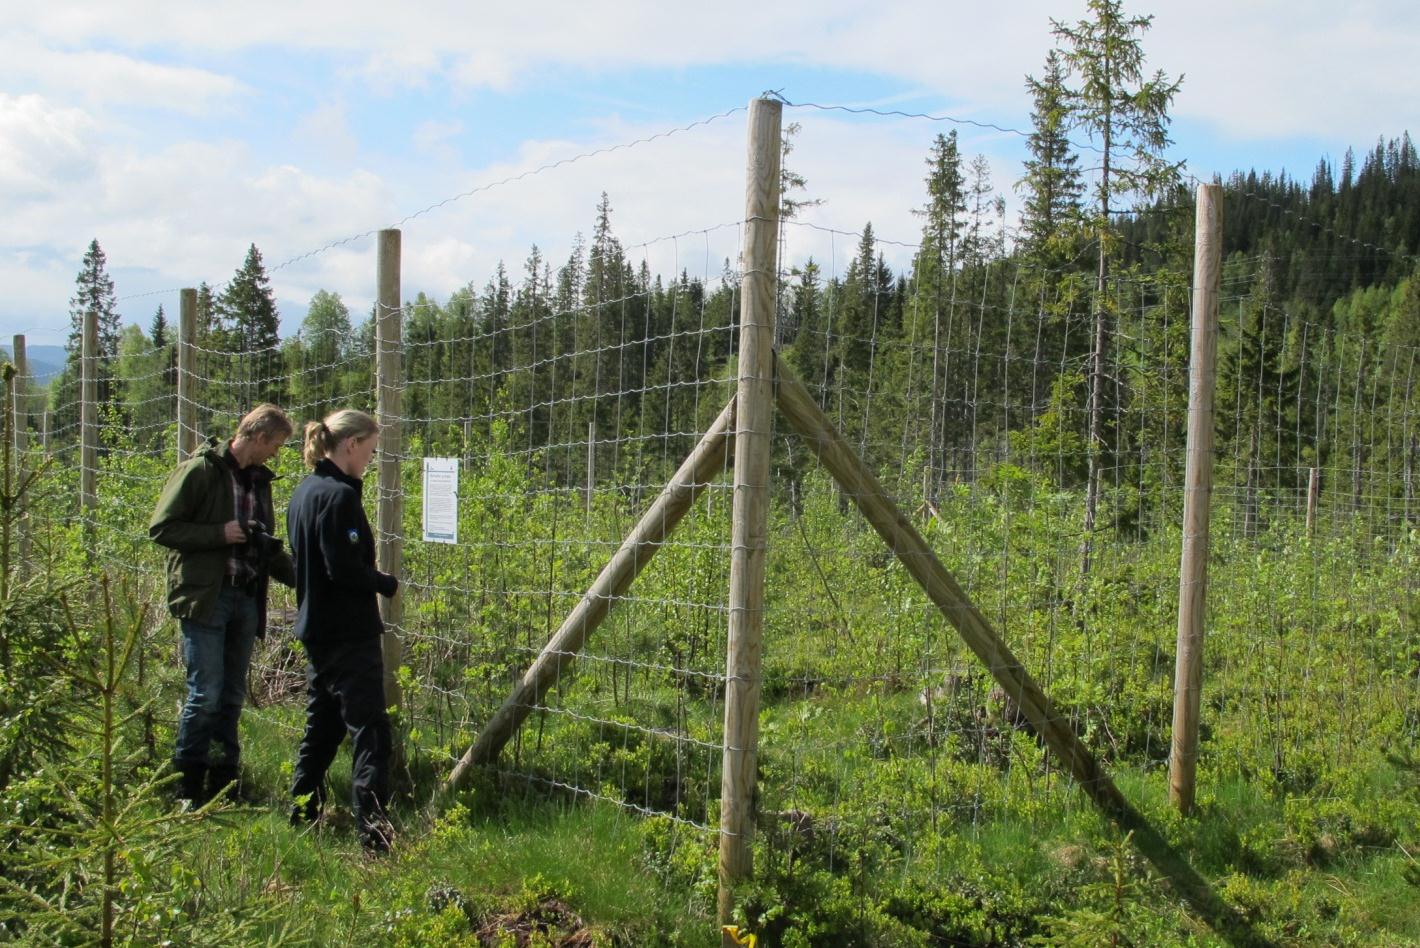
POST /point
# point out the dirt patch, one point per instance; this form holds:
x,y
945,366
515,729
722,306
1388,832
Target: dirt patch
x,y
550,922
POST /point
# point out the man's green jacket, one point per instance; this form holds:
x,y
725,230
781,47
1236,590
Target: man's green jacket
x,y
190,520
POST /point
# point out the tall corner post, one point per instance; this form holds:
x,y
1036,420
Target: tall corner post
x,y
88,418
187,434
389,517
754,416
1198,490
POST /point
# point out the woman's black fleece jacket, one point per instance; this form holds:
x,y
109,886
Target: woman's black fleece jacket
x,y
334,552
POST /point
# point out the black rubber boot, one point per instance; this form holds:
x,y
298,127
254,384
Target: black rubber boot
x,y
304,813
225,780
192,784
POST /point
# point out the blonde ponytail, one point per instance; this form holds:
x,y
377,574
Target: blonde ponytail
x,y
323,437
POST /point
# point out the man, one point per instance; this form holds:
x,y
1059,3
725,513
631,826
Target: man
x,y
216,518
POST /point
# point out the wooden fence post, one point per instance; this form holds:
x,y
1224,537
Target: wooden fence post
x,y
749,540
187,433
1313,495
389,382
21,425
88,418
1198,491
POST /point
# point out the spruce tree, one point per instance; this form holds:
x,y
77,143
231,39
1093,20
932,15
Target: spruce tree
x,y
791,182
208,330
1258,425
571,364
158,329
858,312
932,327
456,325
530,383
1052,186
807,331
979,244
1125,116
246,311
1052,190
494,354
160,334
983,248
93,292
603,330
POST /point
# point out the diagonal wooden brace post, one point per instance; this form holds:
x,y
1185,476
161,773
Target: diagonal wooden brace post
x,y
696,473
859,483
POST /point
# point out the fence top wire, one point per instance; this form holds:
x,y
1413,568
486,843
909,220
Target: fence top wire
x,y
898,113
924,116
487,186
147,293
501,182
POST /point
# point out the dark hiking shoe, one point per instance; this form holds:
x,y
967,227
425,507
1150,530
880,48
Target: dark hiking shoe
x,y
226,781
191,784
306,810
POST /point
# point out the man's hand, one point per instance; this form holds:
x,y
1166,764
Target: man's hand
x,y
233,532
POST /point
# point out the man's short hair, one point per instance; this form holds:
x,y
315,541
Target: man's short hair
x,y
265,421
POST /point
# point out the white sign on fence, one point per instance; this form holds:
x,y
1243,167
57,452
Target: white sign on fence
x,y
441,500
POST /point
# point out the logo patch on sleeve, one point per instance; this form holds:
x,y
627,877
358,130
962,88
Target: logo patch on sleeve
x,y
353,536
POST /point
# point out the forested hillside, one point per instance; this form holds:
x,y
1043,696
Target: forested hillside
x,y
981,351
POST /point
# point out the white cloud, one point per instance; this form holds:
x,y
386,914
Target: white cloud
x,y
1256,69
439,266
400,68
170,217
44,148
187,212
107,78
172,212
673,222
487,69
31,278
1272,70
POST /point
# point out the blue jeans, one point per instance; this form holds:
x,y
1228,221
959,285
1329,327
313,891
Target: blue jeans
x,y
217,653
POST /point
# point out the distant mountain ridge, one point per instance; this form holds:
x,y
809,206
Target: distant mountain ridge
x,y
45,361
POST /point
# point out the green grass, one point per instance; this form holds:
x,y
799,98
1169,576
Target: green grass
x,y
496,860
1010,849
876,825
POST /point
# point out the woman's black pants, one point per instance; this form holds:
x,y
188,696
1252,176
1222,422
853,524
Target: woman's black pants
x,y
345,693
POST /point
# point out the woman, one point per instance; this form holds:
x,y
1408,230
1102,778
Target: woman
x,y
338,621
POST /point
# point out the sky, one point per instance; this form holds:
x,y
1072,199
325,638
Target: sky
x,y
177,135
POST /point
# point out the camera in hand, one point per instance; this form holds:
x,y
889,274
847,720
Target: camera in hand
x,y
262,546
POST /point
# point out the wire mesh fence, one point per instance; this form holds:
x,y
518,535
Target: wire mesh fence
x,y
967,384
